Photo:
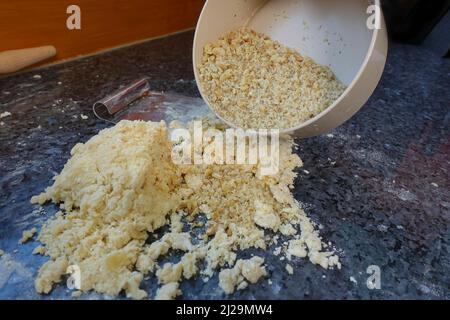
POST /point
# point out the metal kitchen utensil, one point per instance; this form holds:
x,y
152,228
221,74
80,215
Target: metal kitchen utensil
x,y
333,33
136,101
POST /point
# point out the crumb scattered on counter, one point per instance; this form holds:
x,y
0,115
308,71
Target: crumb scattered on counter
x,y
168,291
289,269
250,270
38,211
5,114
27,235
84,117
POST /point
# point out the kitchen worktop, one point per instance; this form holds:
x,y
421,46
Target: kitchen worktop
x,y
378,186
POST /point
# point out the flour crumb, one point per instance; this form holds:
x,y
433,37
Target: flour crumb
x,y
132,286
27,235
297,248
39,250
168,292
288,230
289,269
50,273
277,251
250,270
38,211
5,114
169,273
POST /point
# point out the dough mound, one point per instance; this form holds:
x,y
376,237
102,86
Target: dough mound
x,y
122,186
116,188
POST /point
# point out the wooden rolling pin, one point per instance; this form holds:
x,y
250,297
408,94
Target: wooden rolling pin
x,y
14,60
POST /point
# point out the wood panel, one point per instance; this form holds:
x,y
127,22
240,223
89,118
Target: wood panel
x,y
104,24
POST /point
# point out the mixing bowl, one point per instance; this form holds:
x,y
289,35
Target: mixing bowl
x,y
339,34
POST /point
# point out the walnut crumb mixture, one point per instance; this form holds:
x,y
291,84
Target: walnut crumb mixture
x,y
255,82
120,188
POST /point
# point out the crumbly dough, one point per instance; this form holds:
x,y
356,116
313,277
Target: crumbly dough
x,y
255,82
289,269
121,186
250,270
132,286
51,272
168,291
27,235
39,250
297,248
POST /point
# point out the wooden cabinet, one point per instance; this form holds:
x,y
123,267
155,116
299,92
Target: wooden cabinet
x,y
104,24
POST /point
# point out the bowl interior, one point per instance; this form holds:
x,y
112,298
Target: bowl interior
x,y
333,33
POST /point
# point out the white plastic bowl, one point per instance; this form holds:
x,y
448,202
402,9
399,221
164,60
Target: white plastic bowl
x,y
333,33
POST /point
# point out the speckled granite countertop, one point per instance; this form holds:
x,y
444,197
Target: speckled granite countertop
x,y
379,185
